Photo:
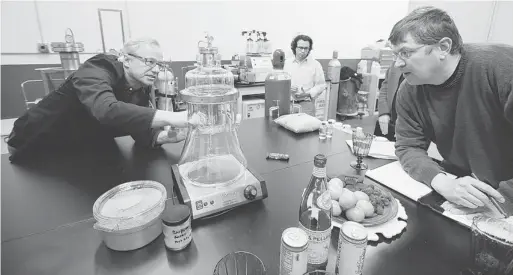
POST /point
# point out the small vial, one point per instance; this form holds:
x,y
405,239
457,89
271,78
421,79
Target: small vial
x,y
331,126
323,129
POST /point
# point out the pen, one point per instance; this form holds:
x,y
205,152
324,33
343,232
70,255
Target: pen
x,y
494,201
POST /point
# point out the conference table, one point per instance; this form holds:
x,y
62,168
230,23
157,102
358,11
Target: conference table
x,y
47,220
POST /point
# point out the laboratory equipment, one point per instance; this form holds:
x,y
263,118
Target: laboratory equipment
x,y
166,86
333,77
68,52
277,85
212,173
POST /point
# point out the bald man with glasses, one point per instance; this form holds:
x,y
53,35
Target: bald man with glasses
x,y
108,96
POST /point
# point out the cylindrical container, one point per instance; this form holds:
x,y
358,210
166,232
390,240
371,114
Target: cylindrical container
x,y
352,243
293,253
277,85
70,60
128,215
176,224
323,129
331,126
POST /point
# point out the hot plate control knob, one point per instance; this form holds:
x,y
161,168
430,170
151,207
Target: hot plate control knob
x,y
250,192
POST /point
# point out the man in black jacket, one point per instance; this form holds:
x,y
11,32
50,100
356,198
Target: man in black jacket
x,y
107,96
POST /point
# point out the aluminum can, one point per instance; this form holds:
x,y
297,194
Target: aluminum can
x,y
293,252
352,244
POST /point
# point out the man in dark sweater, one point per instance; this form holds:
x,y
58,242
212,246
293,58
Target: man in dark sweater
x,y
459,96
104,98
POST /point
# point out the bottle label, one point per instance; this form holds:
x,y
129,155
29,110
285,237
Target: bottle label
x,y
318,245
324,201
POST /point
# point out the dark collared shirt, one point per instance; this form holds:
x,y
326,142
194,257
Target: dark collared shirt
x,y
93,105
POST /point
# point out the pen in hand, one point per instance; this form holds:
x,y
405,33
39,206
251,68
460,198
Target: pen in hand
x,y
493,200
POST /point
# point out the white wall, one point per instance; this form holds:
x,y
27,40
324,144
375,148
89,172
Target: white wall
x,y
471,17
502,23
346,26
20,31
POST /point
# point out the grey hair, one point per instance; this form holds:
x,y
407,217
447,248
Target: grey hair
x,y
427,25
132,45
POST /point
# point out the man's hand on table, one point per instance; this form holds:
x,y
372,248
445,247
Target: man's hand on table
x,y
465,191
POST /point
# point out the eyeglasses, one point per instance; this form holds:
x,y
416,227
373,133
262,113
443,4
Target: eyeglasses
x,y
303,48
151,62
406,53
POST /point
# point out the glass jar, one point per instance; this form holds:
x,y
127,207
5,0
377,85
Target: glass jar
x,y
212,155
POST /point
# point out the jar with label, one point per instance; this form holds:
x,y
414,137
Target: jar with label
x,y
176,224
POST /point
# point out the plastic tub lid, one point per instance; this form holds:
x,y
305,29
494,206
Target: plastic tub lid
x,y
129,205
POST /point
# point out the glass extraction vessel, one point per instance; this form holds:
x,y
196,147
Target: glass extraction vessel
x,y
212,156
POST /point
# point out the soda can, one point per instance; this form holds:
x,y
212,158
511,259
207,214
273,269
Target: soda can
x,y
293,252
278,156
352,243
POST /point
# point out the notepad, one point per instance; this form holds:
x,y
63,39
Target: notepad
x,y
394,177
379,149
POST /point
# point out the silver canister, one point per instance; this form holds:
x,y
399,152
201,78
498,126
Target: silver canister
x,y
293,252
352,244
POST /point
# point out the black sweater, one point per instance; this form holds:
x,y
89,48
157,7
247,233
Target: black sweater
x,y
469,117
93,105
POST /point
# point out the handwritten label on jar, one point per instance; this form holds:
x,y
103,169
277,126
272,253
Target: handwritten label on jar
x,y
178,236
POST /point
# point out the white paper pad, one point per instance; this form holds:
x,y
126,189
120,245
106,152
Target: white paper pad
x,y
379,149
386,150
393,176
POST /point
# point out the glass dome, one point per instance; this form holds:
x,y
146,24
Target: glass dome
x,y
209,78
212,155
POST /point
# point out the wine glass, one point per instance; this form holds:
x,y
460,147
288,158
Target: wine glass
x,y
361,147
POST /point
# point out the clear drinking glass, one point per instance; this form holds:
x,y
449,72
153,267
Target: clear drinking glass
x,y
274,111
323,129
295,108
492,246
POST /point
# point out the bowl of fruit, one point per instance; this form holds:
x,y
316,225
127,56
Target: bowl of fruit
x,y
363,202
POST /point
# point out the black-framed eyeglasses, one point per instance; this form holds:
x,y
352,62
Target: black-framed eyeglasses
x,y
151,62
406,53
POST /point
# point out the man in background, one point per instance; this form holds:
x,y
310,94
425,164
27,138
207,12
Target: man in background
x,y
385,126
307,75
108,96
460,96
